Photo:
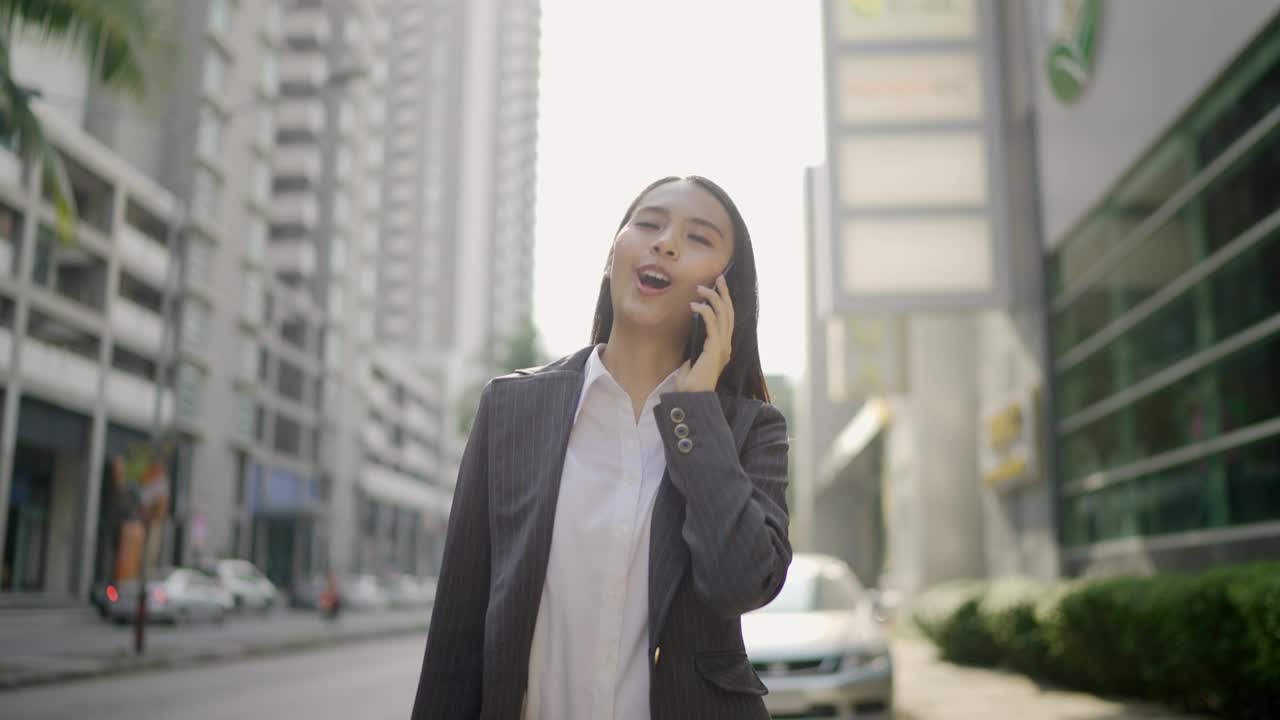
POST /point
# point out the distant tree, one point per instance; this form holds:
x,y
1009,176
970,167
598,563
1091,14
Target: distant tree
x,y
112,35
524,350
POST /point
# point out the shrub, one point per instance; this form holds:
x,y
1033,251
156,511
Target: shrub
x,y
1209,642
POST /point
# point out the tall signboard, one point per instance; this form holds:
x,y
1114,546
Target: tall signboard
x,y
916,186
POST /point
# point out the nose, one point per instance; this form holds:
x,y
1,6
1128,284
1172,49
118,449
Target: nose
x,y
666,244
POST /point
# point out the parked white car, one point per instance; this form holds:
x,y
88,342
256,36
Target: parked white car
x,y
363,593
818,646
176,595
249,588
407,591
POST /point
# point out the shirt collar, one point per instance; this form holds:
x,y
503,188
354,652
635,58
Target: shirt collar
x,y
595,370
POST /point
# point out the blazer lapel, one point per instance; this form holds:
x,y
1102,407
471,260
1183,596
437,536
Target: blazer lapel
x,y
668,554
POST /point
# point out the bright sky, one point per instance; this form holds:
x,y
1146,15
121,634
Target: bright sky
x,y
632,91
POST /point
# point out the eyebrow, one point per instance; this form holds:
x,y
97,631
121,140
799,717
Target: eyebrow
x,y
695,220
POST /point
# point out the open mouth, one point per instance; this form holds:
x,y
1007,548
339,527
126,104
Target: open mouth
x,y
654,280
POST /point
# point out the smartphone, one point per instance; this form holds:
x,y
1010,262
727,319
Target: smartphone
x,y
698,335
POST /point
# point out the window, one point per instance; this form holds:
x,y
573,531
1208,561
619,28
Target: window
x,y
199,259
254,296
190,387
288,436
209,138
332,350
195,318
219,16
257,250
245,416
261,183
266,137
215,73
272,22
270,75
205,193
338,253
248,357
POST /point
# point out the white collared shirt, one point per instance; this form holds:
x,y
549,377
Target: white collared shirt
x,y
589,658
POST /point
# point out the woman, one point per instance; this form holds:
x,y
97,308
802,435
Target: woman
x,y
618,510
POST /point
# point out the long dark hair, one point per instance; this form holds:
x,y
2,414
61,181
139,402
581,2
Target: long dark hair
x,y
742,376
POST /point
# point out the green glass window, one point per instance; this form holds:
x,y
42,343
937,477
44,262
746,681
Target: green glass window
x,y
1246,290
1253,482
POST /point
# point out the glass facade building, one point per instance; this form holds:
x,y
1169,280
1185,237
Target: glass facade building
x,y
1164,311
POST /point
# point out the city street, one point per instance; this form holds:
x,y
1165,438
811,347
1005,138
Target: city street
x,y
370,681
375,679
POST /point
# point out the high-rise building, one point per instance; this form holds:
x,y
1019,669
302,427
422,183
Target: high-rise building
x,y
456,273
333,203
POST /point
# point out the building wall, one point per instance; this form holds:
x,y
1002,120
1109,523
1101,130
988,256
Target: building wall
x,y
1019,517
1164,324
1169,49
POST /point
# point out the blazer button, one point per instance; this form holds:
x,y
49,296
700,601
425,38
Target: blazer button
x,y
682,430
677,415
656,652
684,446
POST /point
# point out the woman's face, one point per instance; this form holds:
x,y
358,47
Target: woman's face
x,y
679,237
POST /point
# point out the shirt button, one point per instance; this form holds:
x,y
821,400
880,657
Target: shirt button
x,y
656,652
677,415
684,446
682,430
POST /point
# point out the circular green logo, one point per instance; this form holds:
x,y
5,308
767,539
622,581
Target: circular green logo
x,y
1070,60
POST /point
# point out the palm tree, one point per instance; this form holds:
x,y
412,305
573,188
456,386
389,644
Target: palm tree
x,y
112,34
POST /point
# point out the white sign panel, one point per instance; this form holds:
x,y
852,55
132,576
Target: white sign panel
x,y
890,20
909,87
914,145
913,171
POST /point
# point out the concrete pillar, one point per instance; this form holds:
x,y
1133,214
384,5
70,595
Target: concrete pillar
x,y
13,393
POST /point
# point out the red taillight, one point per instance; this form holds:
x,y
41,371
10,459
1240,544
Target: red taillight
x,y
160,596
112,594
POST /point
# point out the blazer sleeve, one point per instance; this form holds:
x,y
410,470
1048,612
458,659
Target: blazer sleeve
x,y
735,507
449,685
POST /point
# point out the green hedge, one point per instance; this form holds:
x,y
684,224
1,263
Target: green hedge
x,y
1205,643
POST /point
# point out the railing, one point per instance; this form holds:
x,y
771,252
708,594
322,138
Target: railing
x,y
58,368
137,325
143,255
133,398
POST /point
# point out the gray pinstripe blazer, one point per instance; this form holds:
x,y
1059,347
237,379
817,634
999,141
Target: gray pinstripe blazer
x,y
718,548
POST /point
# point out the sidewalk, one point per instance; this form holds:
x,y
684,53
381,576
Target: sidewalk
x,y
54,646
927,688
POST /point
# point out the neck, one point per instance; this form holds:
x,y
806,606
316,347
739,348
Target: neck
x,y
639,360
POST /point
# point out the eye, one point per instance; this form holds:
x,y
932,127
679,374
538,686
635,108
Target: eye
x,y
646,224
700,238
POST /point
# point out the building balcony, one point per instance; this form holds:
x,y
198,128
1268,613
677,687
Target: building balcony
x,y
143,256
307,27
137,326
299,161
304,118
310,70
132,398
292,257
59,370
297,210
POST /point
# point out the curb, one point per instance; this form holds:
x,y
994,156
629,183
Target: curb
x,y
83,668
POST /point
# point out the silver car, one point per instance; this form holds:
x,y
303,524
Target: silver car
x,y
175,595
818,647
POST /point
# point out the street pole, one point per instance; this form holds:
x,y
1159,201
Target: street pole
x,y
164,367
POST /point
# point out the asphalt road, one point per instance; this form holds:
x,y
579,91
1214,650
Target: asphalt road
x,y
369,681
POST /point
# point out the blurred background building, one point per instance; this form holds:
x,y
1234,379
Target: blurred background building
x,y
1043,325
299,195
